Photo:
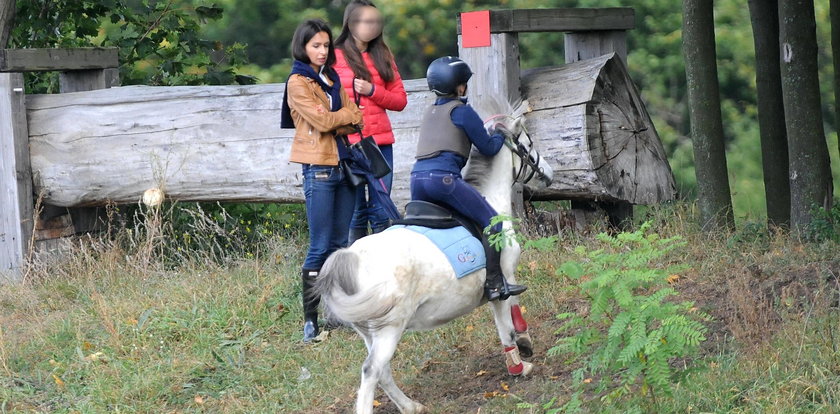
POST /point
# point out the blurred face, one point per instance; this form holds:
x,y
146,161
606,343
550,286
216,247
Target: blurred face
x,y
367,24
317,49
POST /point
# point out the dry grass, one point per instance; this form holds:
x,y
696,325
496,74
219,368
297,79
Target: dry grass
x,y
117,329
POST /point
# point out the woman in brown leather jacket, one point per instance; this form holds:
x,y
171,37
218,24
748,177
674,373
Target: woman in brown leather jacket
x,y
318,108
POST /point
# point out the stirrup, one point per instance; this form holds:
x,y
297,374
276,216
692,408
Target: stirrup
x,y
503,292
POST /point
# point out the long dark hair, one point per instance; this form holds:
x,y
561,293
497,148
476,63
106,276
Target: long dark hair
x,y
304,33
382,57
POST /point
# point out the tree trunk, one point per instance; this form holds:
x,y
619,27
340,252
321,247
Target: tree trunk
x,y
713,196
835,53
810,174
7,17
764,15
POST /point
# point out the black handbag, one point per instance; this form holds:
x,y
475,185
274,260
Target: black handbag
x,y
378,164
354,179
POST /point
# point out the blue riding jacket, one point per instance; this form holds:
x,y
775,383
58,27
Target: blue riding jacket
x,y
438,179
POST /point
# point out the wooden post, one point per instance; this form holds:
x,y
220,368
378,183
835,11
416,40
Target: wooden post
x,y
15,179
495,72
591,44
495,85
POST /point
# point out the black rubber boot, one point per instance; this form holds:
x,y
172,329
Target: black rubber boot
x,y
495,285
310,305
356,233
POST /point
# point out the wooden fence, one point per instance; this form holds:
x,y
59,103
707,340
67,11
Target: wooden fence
x,y
223,143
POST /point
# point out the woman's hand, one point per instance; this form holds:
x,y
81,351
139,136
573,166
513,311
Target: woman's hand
x,y
362,87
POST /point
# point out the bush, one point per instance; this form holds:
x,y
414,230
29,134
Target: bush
x,y
629,335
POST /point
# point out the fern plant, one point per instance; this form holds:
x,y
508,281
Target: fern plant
x,y
631,331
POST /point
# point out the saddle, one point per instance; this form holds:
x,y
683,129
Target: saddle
x,y
435,216
456,236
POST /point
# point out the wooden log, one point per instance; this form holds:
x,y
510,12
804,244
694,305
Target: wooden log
x,y
598,135
15,179
36,60
204,143
560,20
223,143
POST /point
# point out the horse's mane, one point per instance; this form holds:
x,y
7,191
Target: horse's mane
x,y
478,169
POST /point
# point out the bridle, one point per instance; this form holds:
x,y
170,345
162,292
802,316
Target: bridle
x,y
528,156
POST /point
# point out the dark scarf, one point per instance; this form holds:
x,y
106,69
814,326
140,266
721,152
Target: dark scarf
x,y
303,69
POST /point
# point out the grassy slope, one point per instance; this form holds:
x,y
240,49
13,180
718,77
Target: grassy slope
x,y
113,332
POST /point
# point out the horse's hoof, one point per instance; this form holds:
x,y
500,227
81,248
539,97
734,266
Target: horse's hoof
x,y
516,366
523,342
527,367
418,409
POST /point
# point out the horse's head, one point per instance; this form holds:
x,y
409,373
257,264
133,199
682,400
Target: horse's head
x,y
528,167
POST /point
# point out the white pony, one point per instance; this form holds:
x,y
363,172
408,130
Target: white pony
x,y
398,280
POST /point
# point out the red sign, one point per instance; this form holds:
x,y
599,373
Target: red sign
x,y
475,29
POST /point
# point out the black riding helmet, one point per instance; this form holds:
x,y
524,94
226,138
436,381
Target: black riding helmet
x,y
446,73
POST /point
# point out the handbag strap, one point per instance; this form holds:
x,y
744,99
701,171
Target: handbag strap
x,y
358,100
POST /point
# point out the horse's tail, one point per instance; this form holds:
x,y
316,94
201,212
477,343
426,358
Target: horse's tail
x,y
338,286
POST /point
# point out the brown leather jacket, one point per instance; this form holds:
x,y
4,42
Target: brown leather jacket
x,y
315,128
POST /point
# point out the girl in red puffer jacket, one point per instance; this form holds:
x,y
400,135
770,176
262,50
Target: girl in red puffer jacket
x,y
368,73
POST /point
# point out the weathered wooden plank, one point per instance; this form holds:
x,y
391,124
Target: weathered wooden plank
x,y
34,60
15,179
560,20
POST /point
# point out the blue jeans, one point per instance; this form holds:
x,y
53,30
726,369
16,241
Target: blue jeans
x,y
451,190
369,210
329,208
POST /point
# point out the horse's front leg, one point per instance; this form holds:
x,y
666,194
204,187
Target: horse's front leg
x,y
504,325
510,259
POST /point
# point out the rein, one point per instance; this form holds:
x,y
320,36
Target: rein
x,y
527,157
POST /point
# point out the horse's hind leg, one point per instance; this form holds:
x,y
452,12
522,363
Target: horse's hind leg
x,y
377,371
403,402
507,334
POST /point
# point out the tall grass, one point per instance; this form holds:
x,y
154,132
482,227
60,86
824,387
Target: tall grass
x,y
118,326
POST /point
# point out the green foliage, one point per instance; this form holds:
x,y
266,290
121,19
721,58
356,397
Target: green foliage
x,y
159,41
507,236
825,224
631,331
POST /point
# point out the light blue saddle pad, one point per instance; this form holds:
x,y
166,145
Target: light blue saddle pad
x,y
464,251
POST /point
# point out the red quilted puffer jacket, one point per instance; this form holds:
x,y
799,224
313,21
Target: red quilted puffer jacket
x,y
386,96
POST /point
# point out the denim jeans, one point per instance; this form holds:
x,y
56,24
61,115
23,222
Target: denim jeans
x,y
369,210
451,190
329,208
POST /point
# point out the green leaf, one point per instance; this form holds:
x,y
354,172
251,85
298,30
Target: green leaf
x,y
573,270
